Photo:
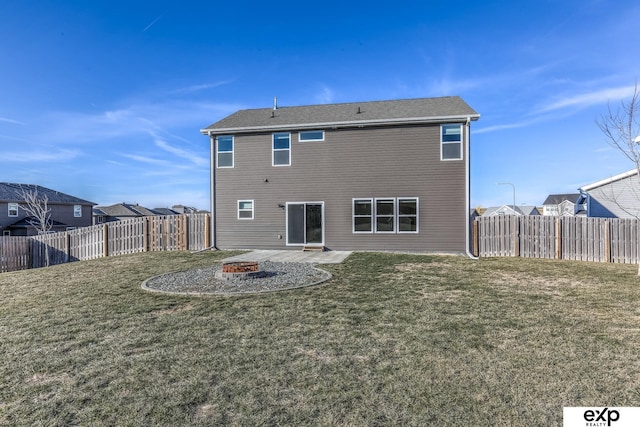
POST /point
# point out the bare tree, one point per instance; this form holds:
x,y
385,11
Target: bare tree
x,y
37,208
622,129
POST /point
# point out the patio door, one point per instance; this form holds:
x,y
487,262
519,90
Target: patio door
x,y
305,223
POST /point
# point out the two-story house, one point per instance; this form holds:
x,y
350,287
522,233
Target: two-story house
x,y
384,175
66,212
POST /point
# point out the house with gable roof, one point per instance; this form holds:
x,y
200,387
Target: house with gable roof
x,y
561,205
67,212
614,197
381,175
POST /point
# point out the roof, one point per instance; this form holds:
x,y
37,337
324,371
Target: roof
x,y
406,111
11,192
123,209
606,181
32,221
520,210
556,199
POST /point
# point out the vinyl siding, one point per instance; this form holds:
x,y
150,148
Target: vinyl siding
x,y
400,161
618,199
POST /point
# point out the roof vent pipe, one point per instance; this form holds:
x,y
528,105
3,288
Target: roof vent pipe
x,y
275,103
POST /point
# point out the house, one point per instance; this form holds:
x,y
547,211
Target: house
x,y
66,212
614,197
561,205
509,210
120,211
382,175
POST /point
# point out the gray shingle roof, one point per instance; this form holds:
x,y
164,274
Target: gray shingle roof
x,y
123,209
10,192
349,114
556,199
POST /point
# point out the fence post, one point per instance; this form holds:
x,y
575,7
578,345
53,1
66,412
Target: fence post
x,y
105,240
185,233
207,235
607,241
476,237
516,236
68,247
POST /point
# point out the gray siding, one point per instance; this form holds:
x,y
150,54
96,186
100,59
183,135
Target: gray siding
x,y
401,161
618,199
59,212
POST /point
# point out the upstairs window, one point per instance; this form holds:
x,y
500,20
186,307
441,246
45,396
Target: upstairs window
x,y
77,211
281,149
311,136
224,149
451,142
13,209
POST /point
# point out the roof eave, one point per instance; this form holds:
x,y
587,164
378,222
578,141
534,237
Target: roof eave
x,y
615,178
343,124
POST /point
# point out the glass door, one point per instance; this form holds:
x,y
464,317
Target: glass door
x,y
305,224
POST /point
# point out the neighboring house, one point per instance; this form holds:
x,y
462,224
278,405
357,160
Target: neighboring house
x,y
384,175
181,209
561,205
67,212
615,197
508,210
120,211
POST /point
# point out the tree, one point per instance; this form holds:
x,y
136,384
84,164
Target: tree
x,y
38,213
37,209
622,129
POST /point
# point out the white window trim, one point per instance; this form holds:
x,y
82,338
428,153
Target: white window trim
x,y
396,215
375,215
9,209
233,152
77,209
273,149
442,143
300,139
353,215
253,209
417,215
6,232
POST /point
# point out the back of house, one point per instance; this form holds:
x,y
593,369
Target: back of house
x,y
383,175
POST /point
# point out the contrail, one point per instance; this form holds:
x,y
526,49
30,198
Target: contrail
x,y
153,22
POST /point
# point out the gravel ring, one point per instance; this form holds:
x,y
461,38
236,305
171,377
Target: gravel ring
x,y
280,276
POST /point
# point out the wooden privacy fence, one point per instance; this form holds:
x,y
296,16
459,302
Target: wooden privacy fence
x,y
152,233
574,238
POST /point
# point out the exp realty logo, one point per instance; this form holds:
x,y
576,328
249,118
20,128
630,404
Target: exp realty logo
x,y
601,417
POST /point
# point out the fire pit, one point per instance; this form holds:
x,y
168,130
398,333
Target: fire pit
x,y
239,270
240,267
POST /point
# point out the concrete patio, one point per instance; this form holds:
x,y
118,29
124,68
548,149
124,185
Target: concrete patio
x,y
315,257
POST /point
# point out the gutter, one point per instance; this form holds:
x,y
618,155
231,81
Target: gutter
x,y
342,124
468,189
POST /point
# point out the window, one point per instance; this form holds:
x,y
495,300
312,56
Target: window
x,y
311,135
451,142
407,215
13,209
225,151
77,211
245,209
362,215
281,149
385,215
6,232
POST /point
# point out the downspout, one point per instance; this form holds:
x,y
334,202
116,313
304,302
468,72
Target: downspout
x,y
212,183
468,190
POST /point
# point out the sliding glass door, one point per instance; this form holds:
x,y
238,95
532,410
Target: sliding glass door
x,y
305,223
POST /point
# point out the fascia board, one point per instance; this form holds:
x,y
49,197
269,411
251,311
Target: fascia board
x,y
335,125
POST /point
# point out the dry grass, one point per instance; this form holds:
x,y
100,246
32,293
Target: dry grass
x,y
391,340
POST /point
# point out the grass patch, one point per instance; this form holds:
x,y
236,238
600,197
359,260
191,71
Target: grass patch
x,y
390,340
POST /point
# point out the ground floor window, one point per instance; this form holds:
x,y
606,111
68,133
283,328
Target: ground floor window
x,y
385,215
245,209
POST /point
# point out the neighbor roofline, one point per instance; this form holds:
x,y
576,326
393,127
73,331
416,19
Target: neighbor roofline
x,y
609,180
342,124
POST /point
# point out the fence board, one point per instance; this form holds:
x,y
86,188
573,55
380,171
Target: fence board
x,y
579,238
157,233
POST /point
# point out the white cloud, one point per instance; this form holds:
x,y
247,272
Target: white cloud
x,y
40,155
194,158
588,99
7,120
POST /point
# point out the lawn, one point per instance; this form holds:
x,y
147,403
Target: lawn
x,y
390,340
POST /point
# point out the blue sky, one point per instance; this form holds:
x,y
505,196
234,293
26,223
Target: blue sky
x,y
104,100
